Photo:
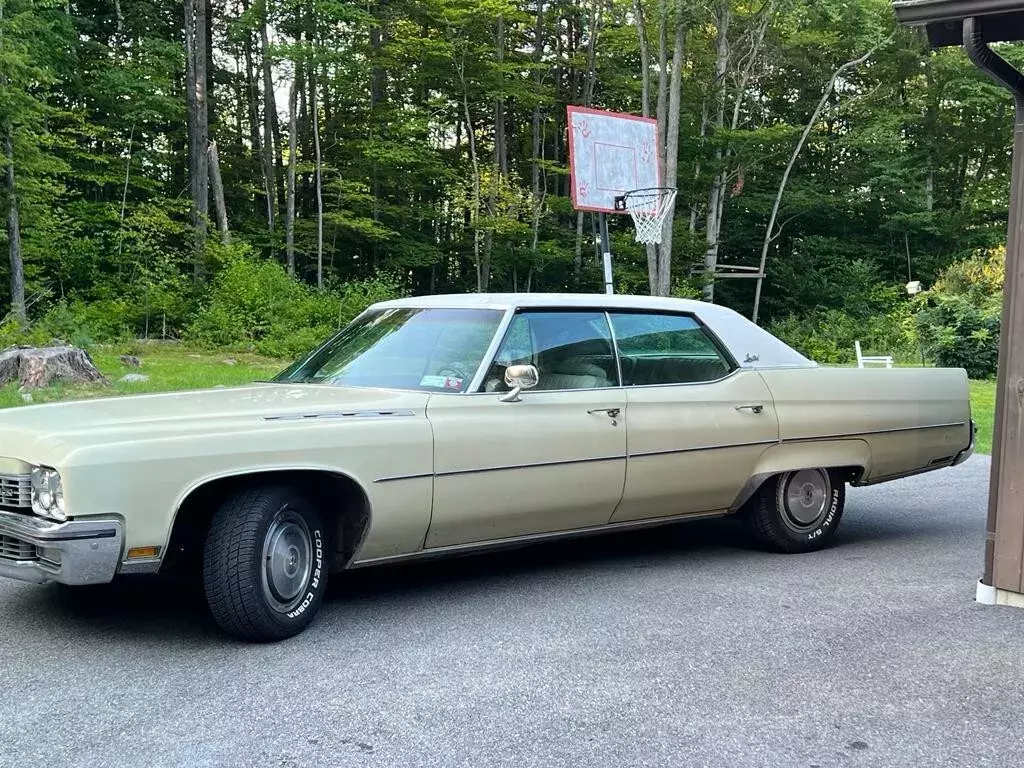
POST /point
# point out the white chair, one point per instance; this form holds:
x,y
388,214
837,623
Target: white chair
x,y
864,361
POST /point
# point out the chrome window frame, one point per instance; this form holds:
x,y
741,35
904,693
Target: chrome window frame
x,y
502,332
716,342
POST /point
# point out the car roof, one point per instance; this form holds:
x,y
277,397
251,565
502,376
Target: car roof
x,y
750,345
590,300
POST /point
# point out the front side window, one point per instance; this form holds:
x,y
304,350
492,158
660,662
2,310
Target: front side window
x,y
571,350
430,350
666,349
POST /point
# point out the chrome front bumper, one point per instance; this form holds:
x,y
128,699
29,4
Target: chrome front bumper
x,y
75,552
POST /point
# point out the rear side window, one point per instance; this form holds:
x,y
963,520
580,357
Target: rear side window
x,y
666,349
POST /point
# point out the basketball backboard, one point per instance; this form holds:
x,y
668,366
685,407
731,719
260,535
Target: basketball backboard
x,y
610,153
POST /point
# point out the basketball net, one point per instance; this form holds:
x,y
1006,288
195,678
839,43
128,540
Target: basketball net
x,y
648,208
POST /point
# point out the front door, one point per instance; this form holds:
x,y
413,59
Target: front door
x,y
553,461
697,426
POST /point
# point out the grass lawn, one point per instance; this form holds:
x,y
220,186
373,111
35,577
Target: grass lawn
x,y
168,367
983,406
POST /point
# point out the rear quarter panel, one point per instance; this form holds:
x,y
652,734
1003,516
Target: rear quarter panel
x,y
911,418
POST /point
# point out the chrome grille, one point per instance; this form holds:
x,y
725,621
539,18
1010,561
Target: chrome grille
x,y
16,549
15,492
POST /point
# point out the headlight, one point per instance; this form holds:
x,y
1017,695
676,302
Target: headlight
x,y
47,493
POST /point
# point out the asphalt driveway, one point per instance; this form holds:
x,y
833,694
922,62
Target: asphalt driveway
x,y
672,647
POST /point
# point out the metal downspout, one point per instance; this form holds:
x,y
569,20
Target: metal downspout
x,y
1006,75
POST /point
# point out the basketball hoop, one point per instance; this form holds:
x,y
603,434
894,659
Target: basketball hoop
x,y
648,207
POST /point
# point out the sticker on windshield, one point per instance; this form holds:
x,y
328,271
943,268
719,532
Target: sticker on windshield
x,y
442,382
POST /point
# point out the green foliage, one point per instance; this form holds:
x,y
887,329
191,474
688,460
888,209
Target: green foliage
x,y
829,336
443,155
254,303
960,316
959,334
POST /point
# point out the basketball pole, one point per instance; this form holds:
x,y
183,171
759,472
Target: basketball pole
x,y
606,252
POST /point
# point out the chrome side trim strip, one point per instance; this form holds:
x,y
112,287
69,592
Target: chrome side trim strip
x,y
701,448
393,478
503,468
563,462
535,538
370,414
872,432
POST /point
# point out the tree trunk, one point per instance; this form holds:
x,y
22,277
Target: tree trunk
x,y
315,116
195,63
289,221
715,193
253,92
770,234
536,143
702,134
271,126
14,235
499,165
671,159
645,85
589,84
662,78
645,58
218,195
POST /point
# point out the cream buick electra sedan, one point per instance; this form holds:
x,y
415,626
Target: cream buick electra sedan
x,y
452,424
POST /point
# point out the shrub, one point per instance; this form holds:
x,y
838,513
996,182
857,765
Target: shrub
x,y
255,303
829,336
958,334
959,318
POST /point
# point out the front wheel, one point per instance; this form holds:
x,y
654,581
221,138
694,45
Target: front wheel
x,y
798,511
265,564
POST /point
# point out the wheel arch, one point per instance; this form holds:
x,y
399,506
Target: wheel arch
x,y
851,457
335,493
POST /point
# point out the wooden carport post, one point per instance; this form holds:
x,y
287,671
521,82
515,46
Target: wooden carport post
x,y
974,24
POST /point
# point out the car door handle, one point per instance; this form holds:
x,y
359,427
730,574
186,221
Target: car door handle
x,y
755,408
612,412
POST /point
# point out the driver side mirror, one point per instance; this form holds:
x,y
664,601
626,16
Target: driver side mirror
x,y
519,377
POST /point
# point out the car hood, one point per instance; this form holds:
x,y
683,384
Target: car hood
x,y
40,433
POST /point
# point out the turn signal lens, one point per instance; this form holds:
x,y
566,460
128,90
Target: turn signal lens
x,y
137,553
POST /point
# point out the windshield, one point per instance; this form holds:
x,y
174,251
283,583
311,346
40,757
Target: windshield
x,y
431,350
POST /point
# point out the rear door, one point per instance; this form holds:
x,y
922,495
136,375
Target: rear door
x,y
697,424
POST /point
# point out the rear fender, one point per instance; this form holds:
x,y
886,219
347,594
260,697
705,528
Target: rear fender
x,y
787,457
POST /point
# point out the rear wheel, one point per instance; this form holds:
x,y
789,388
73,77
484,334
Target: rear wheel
x,y
264,564
798,511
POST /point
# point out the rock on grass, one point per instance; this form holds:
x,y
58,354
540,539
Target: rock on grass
x,y
35,367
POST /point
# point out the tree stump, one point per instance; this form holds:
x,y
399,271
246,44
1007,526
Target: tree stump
x,y
34,367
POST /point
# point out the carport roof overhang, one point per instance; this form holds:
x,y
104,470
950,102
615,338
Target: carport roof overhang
x,y
1002,20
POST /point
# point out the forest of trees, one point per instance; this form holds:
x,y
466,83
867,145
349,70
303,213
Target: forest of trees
x,y
419,146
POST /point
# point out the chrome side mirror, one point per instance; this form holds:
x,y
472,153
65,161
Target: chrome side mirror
x,y
519,377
